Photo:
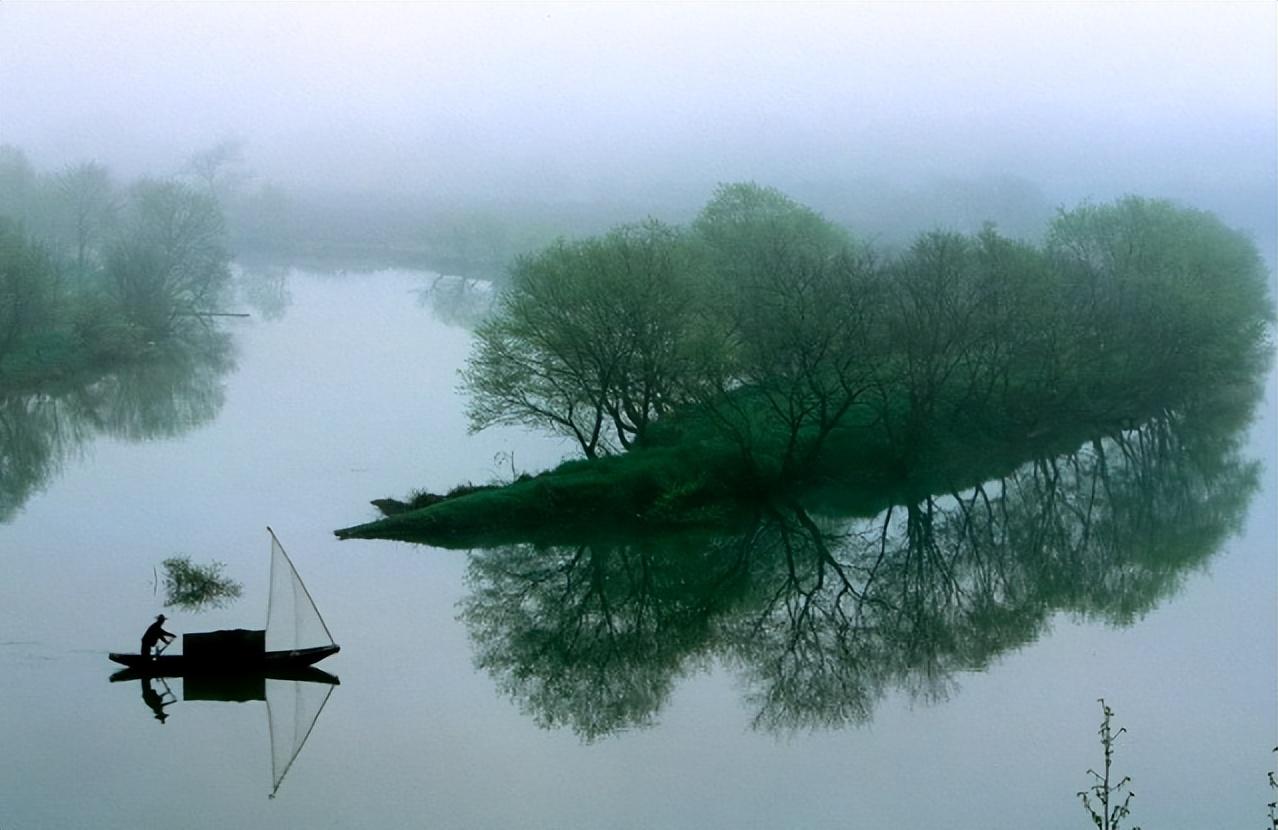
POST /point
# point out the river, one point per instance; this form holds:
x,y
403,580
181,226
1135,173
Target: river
x,y
343,388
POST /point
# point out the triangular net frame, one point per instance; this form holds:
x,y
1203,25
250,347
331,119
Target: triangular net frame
x,y
292,620
292,709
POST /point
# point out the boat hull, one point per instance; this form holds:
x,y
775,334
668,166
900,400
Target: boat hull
x,y
178,665
301,674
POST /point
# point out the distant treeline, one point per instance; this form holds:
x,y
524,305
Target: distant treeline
x,y
93,271
478,236
481,237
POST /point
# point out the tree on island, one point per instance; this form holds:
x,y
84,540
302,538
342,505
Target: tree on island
x,y
29,287
173,259
794,321
590,340
89,206
92,275
769,329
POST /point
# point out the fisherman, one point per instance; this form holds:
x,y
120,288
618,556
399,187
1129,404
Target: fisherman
x,y
154,633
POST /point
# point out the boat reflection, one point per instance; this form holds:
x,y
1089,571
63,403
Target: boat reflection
x,y
294,699
155,700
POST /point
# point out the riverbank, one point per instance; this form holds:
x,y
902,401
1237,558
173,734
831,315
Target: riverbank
x,y
687,478
653,488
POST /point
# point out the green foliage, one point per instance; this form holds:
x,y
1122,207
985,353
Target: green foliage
x,y
762,301
98,329
589,340
194,587
750,227
1158,297
29,288
794,323
172,261
656,487
770,328
763,349
87,206
91,276
18,185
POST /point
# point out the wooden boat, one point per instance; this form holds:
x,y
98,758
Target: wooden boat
x,y
300,674
292,620
292,707
266,662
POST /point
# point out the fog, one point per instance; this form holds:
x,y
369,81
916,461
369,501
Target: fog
x,y
650,105
895,517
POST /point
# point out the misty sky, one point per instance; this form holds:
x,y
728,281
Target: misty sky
x,y
579,100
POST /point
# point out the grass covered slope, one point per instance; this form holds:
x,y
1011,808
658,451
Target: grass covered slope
x,y
687,477
658,487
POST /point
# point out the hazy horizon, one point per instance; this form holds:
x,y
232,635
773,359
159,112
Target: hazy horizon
x,y
589,102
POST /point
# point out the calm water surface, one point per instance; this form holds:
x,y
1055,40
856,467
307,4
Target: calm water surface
x,y
468,700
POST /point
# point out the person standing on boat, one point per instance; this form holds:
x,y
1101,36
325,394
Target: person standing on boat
x,y
154,633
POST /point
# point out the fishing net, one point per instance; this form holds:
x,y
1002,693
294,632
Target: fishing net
x,y
292,620
292,710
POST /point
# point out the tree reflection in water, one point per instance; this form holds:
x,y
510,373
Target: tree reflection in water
x,y
265,289
458,301
177,388
822,616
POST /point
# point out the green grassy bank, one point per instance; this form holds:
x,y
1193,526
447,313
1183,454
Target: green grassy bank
x,y
689,476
